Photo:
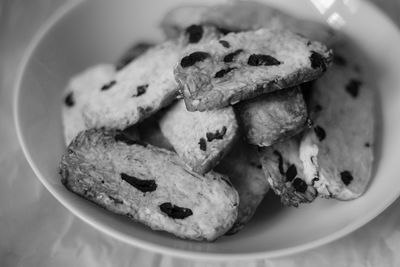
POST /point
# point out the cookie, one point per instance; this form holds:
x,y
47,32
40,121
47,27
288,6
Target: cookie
x,y
148,185
243,166
80,88
201,139
243,16
273,117
142,87
256,62
286,174
342,105
132,53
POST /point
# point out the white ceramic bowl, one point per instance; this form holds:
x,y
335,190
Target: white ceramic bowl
x,y
85,33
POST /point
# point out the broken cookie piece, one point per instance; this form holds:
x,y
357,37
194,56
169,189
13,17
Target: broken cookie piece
x,y
149,185
273,117
286,174
256,62
201,139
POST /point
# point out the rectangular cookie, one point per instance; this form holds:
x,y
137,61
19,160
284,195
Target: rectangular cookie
x,y
201,139
342,105
213,75
143,86
149,185
242,165
273,117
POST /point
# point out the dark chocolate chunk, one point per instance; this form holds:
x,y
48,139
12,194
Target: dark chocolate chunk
x,y
291,173
141,185
116,200
141,89
224,43
217,135
339,60
346,177
175,212
316,179
320,132
121,136
132,53
317,61
195,33
299,185
69,100
203,144
353,87
193,58
229,57
280,162
262,60
108,85
367,144
223,72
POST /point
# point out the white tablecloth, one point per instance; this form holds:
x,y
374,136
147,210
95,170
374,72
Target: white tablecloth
x,y
36,230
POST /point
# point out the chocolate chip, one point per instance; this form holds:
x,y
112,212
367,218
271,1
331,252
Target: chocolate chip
x,y
141,185
291,173
203,144
175,212
316,179
367,144
195,32
320,132
280,162
299,185
346,177
262,60
339,60
217,135
353,87
121,136
116,200
317,61
229,57
193,58
69,100
108,85
132,53
223,72
224,43
141,89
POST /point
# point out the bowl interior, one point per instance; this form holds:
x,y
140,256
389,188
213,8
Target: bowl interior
x,y
91,32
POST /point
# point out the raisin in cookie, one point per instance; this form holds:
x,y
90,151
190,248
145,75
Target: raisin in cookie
x,y
80,88
149,185
242,165
243,16
256,62
342,105
201,139
286,174
273,117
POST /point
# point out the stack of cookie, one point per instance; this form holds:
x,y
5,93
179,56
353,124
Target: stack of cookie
x,y
188,135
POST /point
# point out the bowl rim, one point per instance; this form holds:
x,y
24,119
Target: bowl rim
x,y
54,18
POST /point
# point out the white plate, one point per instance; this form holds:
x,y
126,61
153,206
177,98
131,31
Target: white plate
x,y
83,34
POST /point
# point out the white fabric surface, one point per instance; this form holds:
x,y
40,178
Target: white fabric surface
x,y
36,230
